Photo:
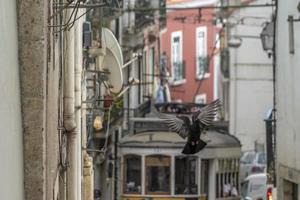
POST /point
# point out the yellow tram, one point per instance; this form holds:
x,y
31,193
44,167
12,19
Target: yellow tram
x,y
152,167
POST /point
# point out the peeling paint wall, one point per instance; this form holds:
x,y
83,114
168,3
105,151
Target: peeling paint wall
x,y
32,60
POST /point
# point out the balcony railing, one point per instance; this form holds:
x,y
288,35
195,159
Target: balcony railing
x,y
178,71
202,65
116,112
111,11
145,14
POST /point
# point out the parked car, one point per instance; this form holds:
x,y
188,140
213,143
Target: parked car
x,y
255,187
252,163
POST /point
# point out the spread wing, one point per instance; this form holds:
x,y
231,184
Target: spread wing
x,y
176,124
207,114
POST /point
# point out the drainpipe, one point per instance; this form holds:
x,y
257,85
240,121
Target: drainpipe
x,y
78,71
69,113
87,161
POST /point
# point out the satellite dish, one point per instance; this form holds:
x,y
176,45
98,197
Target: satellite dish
x,y
115,76
110,42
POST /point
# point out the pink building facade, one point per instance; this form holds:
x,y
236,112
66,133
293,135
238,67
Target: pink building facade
x,y
190,44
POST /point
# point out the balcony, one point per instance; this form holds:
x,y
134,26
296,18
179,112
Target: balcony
x,y
202,66
178,70
140,123
116,112
111,12
144,17
145,13
183,108
100,15
162,14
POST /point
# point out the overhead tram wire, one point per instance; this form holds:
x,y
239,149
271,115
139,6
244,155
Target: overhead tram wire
x,y
193,8
211,56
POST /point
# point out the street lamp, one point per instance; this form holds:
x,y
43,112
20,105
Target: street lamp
x,y
268,43
267,38
235,42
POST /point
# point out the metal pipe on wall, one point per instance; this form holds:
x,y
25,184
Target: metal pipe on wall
x,y
78,88
69,112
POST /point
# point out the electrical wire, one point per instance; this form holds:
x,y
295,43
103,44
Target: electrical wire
x,y
61,9
209,60
73,17
104,148
145,9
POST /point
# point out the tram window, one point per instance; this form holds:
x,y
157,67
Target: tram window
x,y
132,182
158,174
204,176
227,177
185,175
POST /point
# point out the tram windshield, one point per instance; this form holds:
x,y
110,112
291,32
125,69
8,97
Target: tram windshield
x,y
185,175
133,174
158,174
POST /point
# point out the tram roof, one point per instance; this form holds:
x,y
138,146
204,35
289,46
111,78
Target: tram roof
x,y
150,139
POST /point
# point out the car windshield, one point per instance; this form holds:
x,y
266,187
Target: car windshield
x,y
258,186
244,188
261,158
248,157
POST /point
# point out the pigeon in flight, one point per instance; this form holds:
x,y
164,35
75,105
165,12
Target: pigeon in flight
x,y
192,125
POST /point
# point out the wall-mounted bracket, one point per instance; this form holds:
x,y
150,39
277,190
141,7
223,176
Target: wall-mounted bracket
x,y
291,21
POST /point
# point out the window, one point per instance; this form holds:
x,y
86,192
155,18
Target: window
x,y
261,158
144,76
200,99
132,182
158,174
185,175
244,189
290,190
248,157
150,70
177,64
227,177
204,176
201,52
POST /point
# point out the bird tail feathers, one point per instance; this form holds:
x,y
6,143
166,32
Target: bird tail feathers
x,y
192,149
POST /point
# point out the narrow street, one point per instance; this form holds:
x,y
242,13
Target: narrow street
x,y
150,100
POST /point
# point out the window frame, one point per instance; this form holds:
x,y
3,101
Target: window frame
x,y
227,171
204,177
206,74
196,159
170,175
125,174
290,186
182,79
150,69
201,96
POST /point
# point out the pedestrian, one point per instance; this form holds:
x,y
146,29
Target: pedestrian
x,y
234,191
97,194
226,189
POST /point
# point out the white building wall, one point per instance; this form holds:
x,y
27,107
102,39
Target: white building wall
x,y
251,90
11,146
288,96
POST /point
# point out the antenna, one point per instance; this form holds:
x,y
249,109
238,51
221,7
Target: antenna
x,y
110,42
112,61
115,75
